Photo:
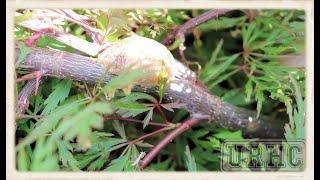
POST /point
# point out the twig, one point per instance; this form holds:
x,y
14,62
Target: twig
x,y
32,75
26,93
180,31
149,135
167,139
88,90
33,39
95,33
162,114
136,121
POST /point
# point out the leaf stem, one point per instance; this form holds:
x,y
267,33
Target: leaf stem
x,y
135,120
164,117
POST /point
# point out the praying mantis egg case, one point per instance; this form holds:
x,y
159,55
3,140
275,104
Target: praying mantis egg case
x,y
138,52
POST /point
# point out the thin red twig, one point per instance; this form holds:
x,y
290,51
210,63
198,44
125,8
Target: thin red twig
x,y
167,139
180,31
164,117
149,135
29,76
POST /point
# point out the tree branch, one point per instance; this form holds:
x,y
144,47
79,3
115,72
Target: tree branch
x,y
194,98
180,31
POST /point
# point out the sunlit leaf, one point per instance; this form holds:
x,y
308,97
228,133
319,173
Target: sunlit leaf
x,y
60,92
23,160
49,122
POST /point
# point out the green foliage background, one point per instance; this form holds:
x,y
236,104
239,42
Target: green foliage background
x,y
237,58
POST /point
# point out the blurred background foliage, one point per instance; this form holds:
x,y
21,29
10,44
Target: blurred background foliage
x,y
239,60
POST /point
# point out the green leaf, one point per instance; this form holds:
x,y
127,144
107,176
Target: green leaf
x,y
215,53
66,156
214,142
130,108
199,133
299,120
101,20
21,33
88,118
224,134
180,148
84,160
161,166
125,80
235,97
246,33
50,163
204,156
135,158
289,133
98,163
23,17
120,129
298,131
276,50
106,145
197,136
44,158
190,161
46,41
147,119
137,96
38,104
216,70
24,51
222,78
78,31
120,163
249,90
49,122
260,100
23,160
61,92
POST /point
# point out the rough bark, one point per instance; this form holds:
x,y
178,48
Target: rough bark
x,y
195,98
